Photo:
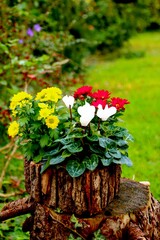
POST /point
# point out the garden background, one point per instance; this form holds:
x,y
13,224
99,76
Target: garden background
x,y
112,45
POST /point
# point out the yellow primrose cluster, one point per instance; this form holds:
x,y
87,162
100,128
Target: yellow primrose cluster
x,y
52,94
44,99
13,129
49,94
19,99
46,113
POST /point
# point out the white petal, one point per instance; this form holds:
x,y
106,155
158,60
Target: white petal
x,y
87,113
84,121
87,108
68,101
105,113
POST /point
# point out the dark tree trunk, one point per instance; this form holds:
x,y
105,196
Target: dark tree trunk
x,y
120,210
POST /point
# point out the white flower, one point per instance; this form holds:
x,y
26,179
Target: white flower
x,y
87,113
105,113
68,101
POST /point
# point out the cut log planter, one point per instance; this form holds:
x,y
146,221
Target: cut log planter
x,y
100,200
86,195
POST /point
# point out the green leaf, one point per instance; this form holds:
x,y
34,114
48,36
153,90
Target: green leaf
x,y
121,143
73,147
66,154
53,152
75,168
129,137
93,138
45,165
92,162
126,160
44,140
74,220
94,148
115,153
35,126
3,82
4,48
107,155
37,158
98,235
105,142
71,237
23,121
54,133
106,161
64,141
56,160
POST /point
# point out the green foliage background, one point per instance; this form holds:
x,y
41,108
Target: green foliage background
x,y
73,30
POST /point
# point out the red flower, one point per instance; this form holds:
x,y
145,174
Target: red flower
x,y
99,101
82,92
119,103
101,94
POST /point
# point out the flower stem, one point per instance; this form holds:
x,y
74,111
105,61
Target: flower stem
x,y
70,111
99,123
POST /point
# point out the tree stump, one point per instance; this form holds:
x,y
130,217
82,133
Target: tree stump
x,y
85,195
99,200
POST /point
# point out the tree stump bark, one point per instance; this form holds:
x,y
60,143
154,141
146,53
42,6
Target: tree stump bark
x,y
98,200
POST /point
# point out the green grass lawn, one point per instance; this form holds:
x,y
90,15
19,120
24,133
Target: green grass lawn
x,y
136,76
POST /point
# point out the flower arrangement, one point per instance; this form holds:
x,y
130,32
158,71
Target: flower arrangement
x,y
79,132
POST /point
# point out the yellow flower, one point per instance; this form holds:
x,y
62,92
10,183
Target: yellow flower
x,y
42,105
24,102
17,98
13,129
45,112
52,122
49,94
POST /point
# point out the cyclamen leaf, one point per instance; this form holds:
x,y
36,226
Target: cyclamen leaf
x,y
129,137
105,142
121,143
95,149
73,147
92,162
66,154
102,142
126,160
45,165
115,153
107,155
52,152
93,138
75,168
106,161
64,141
56,160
